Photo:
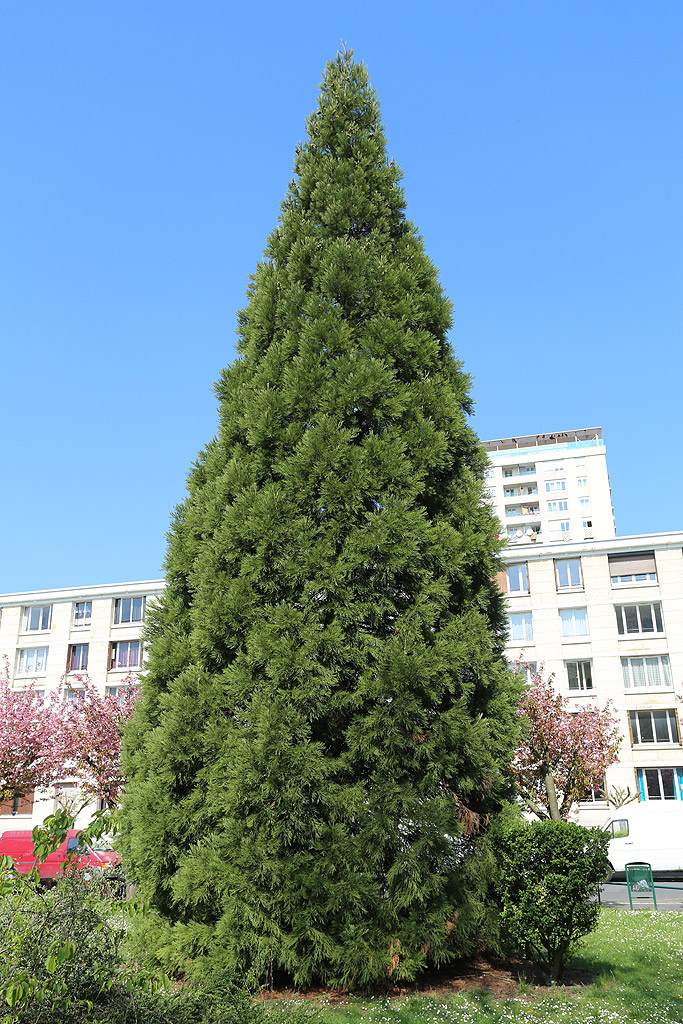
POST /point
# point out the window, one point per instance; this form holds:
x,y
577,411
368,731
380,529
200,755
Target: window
x,y
656,726
37,617
517,578
129,609
660,783
579,675
78,657
556,485
125,654
619,828
32,661
489,473
574,622
528,670
73,694
557,506
638,619
633,569
653,673
568,572
595,794
581,481
82,613
520,626
584,504
587,524
554,467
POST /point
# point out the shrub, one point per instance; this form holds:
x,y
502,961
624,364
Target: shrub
x,y
549,871
65,957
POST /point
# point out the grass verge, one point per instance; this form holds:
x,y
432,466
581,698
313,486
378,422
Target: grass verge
x,y
634,957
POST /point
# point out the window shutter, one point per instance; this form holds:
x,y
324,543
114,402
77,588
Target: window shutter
x,y
68,658
629,565
678,726
502,581
630,730
109,648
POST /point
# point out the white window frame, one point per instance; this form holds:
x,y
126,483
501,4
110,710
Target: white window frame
x,y
571,585
672,724
80,668
595,794
634,579
558,506
26,618
524,624
650,665
675,775
87,615
582,481
565,618
118,605
584,684
25,663
655,611
524,573
555,485
114,655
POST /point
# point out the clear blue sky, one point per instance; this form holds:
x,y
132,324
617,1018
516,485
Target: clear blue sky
x,y
146,147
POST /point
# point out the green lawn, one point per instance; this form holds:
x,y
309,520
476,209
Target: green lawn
x,y
637,960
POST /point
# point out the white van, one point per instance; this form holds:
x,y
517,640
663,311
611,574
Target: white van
x,y
651,832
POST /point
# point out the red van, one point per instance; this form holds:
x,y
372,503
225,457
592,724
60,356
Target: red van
x,y
19,846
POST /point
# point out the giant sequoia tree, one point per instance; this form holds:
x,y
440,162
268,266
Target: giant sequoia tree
x,y
327,715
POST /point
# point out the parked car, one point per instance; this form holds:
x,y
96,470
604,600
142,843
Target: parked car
x,y
647,832
94,857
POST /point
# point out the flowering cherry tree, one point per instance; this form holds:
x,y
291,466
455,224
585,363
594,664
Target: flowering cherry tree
x,y
31,738
561,755
93,727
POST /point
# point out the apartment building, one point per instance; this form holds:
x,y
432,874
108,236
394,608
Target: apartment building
x,y
603,614
51,635
551,488
605,618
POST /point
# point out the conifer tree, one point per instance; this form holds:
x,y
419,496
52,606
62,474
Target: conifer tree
x,y
327,717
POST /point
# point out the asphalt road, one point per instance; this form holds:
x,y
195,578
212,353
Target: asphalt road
x,y
669,896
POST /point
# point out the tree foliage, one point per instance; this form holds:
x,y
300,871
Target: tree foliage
x,y
327,715
92,728
561,754
45,741
31,739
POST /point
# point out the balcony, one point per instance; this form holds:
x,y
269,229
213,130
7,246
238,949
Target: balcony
x,y
522,512
520,492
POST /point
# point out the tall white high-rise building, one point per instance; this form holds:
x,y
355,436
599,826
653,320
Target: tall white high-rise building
x,y
551,488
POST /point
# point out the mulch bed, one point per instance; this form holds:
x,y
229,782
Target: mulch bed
x,y
499,977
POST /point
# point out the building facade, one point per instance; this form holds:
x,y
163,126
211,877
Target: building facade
x,y
50,636
605,620
551,488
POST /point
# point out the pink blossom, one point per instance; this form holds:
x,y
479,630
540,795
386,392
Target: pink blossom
x,y
572,751
92,735
31,738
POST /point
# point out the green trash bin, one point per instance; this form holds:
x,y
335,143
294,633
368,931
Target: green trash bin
x,y
639,882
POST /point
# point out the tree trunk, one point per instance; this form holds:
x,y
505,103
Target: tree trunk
x,y
553,806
